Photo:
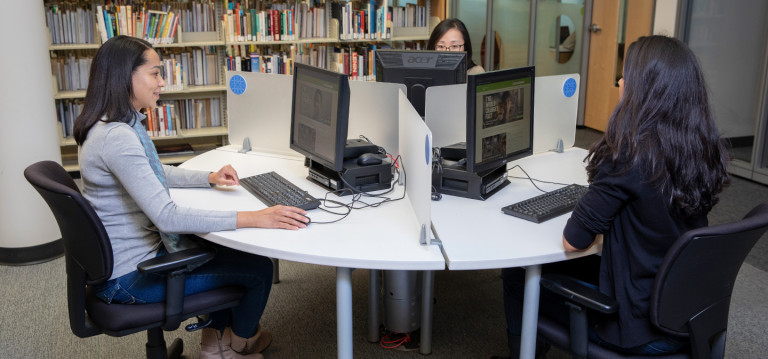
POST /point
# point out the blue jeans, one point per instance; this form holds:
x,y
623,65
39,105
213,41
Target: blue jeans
x,y
585,269
228,267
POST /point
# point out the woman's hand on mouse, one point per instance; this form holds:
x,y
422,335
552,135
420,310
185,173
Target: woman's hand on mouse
x,y
284,217
226,176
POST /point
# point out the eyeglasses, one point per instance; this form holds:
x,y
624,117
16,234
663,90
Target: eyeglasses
x,y
452,47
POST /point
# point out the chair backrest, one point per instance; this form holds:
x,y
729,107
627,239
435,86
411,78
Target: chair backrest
x,y
87,249
692,291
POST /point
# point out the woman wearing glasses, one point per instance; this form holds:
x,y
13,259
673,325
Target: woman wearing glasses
x,y
452,35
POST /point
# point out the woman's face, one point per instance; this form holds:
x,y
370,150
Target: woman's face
x,y
452,40
148,81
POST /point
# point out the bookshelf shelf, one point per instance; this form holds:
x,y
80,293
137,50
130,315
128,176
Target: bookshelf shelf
x,y
63,95
188,133
70,47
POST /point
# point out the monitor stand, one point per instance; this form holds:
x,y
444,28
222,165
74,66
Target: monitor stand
x,y
452,178
353,178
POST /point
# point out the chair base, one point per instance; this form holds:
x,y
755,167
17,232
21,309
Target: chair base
x,y
156,346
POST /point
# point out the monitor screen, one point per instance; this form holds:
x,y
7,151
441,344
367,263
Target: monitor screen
x,y
420,69
499,118
320,115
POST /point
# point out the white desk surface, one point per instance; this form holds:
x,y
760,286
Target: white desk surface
x,y
478,235
385,237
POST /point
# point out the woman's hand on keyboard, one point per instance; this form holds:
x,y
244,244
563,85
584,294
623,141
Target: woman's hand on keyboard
x,y
279,216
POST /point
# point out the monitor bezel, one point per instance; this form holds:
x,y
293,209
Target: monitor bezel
x,y
342,117
486,78
393,74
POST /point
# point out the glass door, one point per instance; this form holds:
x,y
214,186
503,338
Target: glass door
x,y
558,37
510,26
729,38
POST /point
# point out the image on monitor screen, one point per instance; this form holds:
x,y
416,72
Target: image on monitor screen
x,y
320,115
499,118
420,69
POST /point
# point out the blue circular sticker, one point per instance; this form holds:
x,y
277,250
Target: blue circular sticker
x,y
237,84
427,150
569,88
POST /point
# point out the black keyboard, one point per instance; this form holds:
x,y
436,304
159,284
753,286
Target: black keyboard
x,y
548,205
271,188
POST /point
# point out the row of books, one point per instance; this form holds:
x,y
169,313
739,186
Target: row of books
x,y
280,22
157,27
198,16
165,120
187,67
190,67
71,72
174,115
271,61
69,24
355,61
275,60
409,15
66,113
362,20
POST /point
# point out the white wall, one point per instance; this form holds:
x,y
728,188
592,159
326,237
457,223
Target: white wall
x,y
28,116
665,17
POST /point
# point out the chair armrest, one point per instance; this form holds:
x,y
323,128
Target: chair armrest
x,y
579,293
176,260
174,266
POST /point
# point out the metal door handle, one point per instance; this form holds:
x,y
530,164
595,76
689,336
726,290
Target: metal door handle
x,y
594,28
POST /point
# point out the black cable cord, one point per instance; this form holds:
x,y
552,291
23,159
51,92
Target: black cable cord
x,y
533,180
357,195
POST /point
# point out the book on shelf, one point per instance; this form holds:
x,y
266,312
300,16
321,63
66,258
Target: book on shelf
x,y
70,23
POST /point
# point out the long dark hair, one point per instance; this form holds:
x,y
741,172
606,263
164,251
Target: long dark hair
x,y
446,25
110,83
663,123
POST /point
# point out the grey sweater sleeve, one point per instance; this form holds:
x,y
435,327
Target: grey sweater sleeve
x,y
124,156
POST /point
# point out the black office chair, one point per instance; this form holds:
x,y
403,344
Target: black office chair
x,y
88,255
690,297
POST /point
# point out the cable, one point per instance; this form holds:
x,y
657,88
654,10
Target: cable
x,y
532,179
400,339
436,196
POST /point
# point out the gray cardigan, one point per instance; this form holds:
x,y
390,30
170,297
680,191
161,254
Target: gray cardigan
x,y
131,202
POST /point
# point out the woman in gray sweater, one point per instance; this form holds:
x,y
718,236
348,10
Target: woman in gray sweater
x,y
127,185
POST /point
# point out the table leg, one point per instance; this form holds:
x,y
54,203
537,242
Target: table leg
x,y
275,270
344,312
530,312
425,345
373,305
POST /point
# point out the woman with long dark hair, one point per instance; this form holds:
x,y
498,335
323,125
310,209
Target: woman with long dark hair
x,y
654,175
127,185
452,35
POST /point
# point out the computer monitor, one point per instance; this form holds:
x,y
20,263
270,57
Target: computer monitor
x,y
420,69
320,115
499,118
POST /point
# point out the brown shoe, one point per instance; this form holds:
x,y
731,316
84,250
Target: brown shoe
x,y
255,344
215,345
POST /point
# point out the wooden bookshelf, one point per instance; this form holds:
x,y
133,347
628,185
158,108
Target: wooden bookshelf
x,y
221,44
200,138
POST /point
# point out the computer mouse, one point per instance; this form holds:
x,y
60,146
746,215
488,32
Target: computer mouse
x,y
367,159
309,220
